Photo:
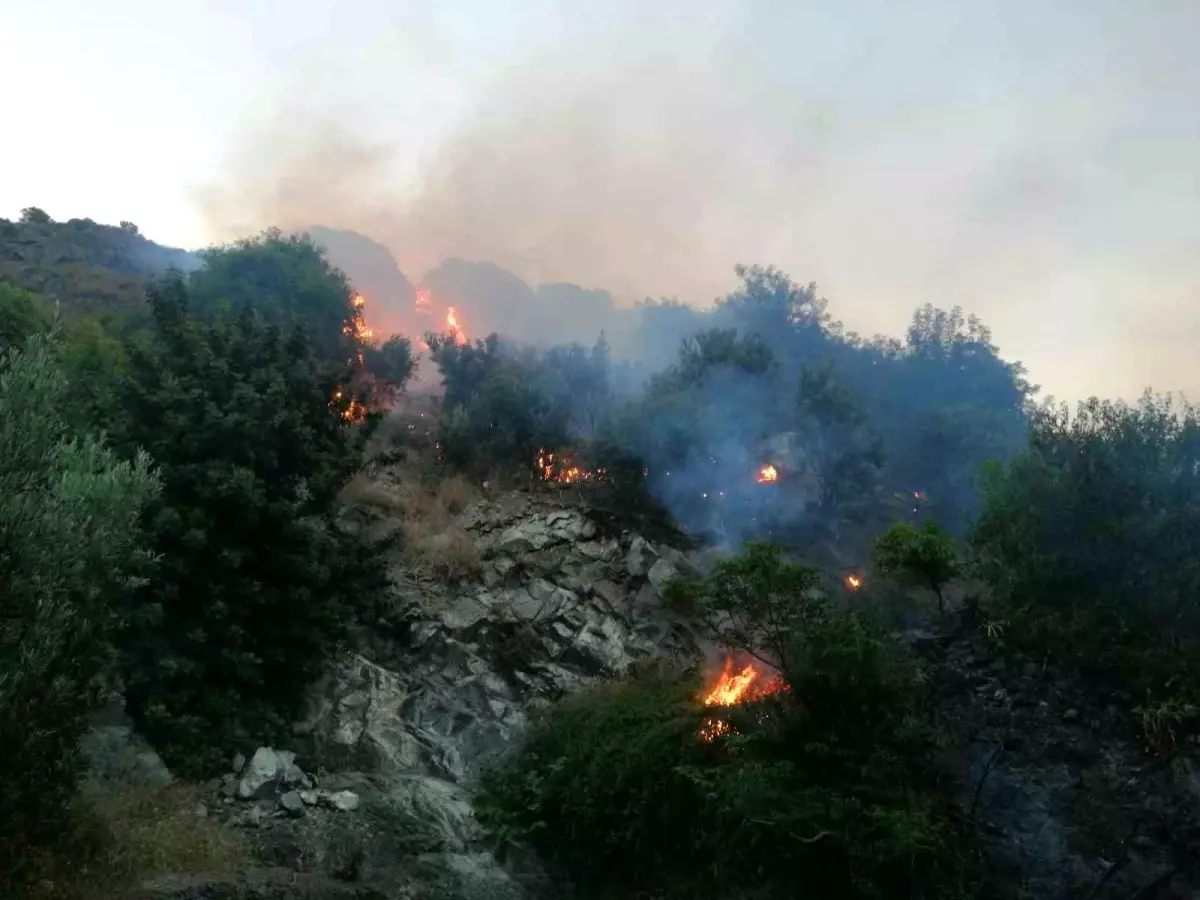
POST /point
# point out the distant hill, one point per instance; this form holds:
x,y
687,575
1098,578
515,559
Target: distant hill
x,y
373,272
86,267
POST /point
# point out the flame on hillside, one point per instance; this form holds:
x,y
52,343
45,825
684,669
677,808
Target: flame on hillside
x,y
563,469
355,412
853,582
357,326
768,474
751,682
460,336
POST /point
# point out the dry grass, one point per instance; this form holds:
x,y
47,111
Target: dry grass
x,y
450,553
127,835
433,541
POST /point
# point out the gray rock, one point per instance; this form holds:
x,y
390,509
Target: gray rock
x,y
465,614
660,574
117,754
292,803
1070,715
265,768
464,876
342,801
522,605
239,763
640,557
611,594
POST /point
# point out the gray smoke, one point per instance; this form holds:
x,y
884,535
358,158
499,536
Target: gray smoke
x,y
1032,162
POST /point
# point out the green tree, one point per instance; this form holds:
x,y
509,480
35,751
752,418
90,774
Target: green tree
x,y
1088,539
95,363
22,313
755,601
390,365
846,455
70,547
257,583
924,557
282,278
32,215
830,778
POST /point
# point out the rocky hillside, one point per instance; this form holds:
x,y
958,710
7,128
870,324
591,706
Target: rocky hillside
x,y
86,267
374,799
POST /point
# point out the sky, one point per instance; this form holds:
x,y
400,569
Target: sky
x,y
1034,163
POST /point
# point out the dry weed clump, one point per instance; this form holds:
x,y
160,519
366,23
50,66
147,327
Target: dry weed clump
x,y
433,541
126,835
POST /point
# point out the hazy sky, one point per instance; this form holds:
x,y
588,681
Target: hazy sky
x,y
1037,163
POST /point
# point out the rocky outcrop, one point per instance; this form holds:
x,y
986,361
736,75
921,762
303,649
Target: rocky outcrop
x,y
441,687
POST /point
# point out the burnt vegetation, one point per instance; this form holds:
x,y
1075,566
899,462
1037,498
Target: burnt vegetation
x,y
174,452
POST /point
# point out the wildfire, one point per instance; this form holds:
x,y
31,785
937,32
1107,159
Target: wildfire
x,y
455,329
853,582
563,469
357,326
752,682
355,412
768,474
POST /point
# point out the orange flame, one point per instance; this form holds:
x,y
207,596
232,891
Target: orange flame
x,y
768,474
455,329
357,326
853,582
752,682
355,412
563,469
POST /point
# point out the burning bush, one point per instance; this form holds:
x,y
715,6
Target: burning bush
x,y
741,785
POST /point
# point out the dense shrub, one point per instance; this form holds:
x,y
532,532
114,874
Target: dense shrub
x,y
1089,539
69,546
22,313
256,583
823,790
503,403
922,557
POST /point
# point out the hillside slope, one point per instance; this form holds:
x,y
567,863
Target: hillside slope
x,y
86,267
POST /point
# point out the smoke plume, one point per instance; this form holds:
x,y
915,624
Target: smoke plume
x,y
1033,163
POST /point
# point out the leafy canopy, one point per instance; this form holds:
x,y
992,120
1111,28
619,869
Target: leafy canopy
x,y
72,545
925,556
256,583
829,779
1089,536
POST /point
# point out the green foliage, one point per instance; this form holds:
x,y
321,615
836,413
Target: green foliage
x,y
22,314
846,455
282,278
756,602
70,539
924,557
829,779
504,404
392,363
1088,540
256,583
85,267
95,363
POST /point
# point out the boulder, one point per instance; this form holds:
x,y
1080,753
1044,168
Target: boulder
x,y
342,801
464,615
640,557
660,574
264,770
116,753
292,804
